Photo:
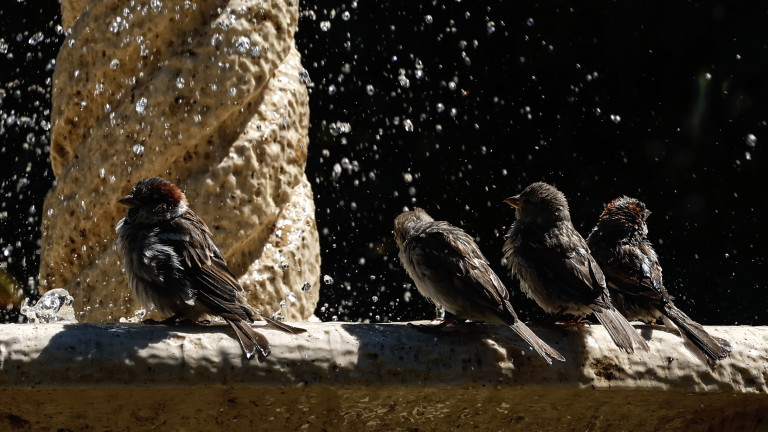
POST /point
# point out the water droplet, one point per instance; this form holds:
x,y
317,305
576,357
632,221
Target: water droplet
x,y
292,297
102,173
138,149
114,64
327,279
117,25
708,76
36,38
306,287
242,43
336,172
751,140
141,105
408,125
156,5
337,128
403,80
325,25
255,51
180,82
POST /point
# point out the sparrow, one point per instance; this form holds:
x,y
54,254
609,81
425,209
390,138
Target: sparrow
x,y
448,268
554,266
173,264
619,243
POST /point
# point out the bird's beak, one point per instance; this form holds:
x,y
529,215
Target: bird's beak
x,y
128,201
514,201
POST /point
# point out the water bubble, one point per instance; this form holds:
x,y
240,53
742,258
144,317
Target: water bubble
x,y
156,5
345,15
102,173
616,118
370,90
327,279
530,22
440,107
180,82
748,156
114,64
36,38
490,27
3,46
325,25
428,19
306,287
255,51
141,105
292,297
407,177
751,140
138,149
331,90
708,76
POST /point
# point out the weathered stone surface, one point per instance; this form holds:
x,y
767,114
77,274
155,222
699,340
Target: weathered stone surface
x,y
207,94
343,376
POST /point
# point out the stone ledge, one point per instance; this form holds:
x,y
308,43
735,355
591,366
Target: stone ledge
x,y
343,376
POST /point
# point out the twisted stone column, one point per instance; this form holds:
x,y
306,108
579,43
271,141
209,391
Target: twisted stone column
x,y
207,94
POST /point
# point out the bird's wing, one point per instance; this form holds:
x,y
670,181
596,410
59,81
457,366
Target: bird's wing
x,y
458,255
635,273
207,275
573,273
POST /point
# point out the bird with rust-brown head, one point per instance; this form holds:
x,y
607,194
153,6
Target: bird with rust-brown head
x,y
553,263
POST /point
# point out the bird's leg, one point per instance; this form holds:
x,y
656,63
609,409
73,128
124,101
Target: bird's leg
x,y
171,320
578,320
447,320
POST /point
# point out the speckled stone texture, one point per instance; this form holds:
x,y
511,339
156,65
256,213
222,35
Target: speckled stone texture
x,y
207,94
374,377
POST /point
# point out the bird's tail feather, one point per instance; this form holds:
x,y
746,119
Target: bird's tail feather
x,y
282,326
714,348
541,347
252,342
621,332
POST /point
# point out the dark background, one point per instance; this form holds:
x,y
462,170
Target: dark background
x,y
663,101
